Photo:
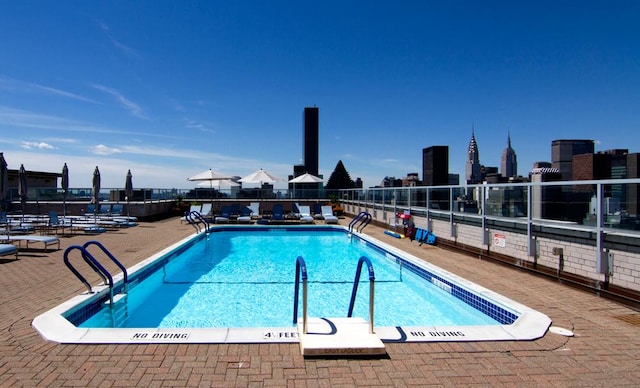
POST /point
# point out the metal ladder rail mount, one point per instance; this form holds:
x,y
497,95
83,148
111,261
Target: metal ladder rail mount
x,y
301,270
372,278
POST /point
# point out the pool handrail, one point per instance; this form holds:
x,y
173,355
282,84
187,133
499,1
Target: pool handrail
x,y
301,270
360,221
110,256
196,214
92,262
372,279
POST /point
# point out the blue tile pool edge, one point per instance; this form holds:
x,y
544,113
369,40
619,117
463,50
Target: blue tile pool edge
x,y
528,324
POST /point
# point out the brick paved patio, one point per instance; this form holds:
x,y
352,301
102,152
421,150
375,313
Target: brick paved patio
x,y
605,350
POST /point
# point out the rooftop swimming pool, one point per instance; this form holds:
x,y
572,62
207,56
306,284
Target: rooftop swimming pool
x,y
236,285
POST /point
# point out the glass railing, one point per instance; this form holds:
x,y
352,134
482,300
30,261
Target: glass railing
x,y
607,204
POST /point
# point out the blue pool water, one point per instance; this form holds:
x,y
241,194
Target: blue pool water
x,y
245,278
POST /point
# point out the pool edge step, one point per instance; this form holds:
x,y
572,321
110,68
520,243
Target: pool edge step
x,y
339,337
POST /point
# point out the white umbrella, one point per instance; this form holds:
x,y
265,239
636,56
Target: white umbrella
x,y
261,176
220,183
209,175
306,178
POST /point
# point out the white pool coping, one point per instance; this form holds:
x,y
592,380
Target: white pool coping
x,y
530,325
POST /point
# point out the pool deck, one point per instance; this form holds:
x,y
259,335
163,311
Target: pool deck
x,y
605,350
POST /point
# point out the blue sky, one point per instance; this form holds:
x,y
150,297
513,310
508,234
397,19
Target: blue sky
x,y
171,88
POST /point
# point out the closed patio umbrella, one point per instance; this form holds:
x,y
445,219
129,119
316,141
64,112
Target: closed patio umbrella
x,y
4,179
95,191
65,188
23,190
128,189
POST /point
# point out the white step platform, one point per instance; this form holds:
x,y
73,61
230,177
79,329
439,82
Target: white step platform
x,y
339,337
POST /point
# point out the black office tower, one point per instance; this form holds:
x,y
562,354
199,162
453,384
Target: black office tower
x,y
435,166
311,129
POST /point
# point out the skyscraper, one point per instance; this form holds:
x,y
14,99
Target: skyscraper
x,y
562,152
509,162
435,166
311,130
474,173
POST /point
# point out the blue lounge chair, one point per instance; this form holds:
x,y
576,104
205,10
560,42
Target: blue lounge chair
x,y
46,240
56,223
277,213
8,249
245,215
105,209
317,211
116,209
225,215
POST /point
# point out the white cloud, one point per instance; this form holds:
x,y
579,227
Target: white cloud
x,y
102,149
14,85
129,105
192,124
115,42
39,145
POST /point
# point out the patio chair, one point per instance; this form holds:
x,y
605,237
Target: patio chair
x,y
224,217
192,208
8,249
55,223
245,215
305,214
27,238
327,215
277,213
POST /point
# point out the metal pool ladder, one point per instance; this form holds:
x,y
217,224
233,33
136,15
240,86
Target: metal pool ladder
x,y
193,217
360,221
94,264
336,336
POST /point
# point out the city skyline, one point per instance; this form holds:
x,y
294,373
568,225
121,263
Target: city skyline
x,y
169,90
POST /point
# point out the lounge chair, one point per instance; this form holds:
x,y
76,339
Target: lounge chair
x,y
105,209
116,209
55,223
255,209
317,211
46,240
327,215
192,208
277,213
245,215
8,249
305,214
206,210
225,215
